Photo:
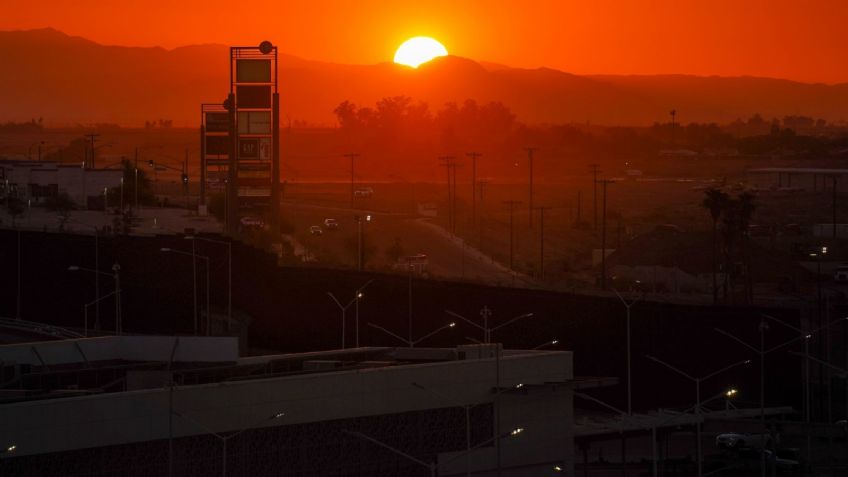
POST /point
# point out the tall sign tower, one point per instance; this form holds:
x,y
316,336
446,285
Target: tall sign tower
x,y
253,107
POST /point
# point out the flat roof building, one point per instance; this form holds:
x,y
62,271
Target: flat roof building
x,y
150,405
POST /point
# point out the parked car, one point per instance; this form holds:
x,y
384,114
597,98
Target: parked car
x,y
316,230
331,224
734,440
841,273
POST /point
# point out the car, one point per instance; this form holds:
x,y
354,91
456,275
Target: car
x,y
363,192
841,273
331,224
316,230
734,440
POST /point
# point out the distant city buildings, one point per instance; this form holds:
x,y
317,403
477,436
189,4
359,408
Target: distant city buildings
x,y
35,181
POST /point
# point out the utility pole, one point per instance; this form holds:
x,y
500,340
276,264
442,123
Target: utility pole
x,y
604,235
530,151
511,204
473,156
352,156
135,180
595,170
481,187
833,178
91,138
450,167
542,210
673,113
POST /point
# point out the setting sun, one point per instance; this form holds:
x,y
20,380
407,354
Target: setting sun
x,y
418,50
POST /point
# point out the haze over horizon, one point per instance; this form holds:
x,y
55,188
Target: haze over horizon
x,y
778,39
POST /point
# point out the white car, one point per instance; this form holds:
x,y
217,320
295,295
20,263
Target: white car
x,y
316,230
331,224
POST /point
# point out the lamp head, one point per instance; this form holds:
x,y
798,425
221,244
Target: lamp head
x,y
73,268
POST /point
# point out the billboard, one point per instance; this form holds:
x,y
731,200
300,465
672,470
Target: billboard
x,y
217,122
253,71
253,97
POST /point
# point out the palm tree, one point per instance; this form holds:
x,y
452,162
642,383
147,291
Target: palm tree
x,y
715,201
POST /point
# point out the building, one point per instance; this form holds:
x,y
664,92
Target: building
x,y
149,405
34,181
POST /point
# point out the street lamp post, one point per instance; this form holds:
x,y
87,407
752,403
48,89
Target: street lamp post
x,y
762,352
433,467
487,331
359,257
357,295
229,245
194,258
226,437
627,306
698,381
85,311
412,343
117,278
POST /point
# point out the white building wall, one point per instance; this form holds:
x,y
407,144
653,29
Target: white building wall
x,y
99,420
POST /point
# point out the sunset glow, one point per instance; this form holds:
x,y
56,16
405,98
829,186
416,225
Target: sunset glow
x,y
419,50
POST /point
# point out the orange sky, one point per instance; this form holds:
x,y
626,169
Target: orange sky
x,y
795,39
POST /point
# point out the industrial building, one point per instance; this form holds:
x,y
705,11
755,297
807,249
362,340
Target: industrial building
x,y
34,181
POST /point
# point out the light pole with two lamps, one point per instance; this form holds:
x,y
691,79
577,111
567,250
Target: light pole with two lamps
x,y
698,381
412,343
229,245
357,295
487,331
115,276
225,438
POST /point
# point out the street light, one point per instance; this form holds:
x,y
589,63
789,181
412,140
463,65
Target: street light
x,y
96,267
194,258
229,245
487,331
85,311
627,306
116,276
225,438
412,343
552,342
433,467
762,352
357,295
697,381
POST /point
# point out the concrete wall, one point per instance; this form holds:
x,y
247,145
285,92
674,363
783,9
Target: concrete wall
x,y
128,348
93,421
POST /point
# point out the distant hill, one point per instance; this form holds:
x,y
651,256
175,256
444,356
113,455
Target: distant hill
x,y
69,80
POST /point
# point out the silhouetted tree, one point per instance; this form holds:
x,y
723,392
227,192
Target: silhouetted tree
x,y
715,201
14,207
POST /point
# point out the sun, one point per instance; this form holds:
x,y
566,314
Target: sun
x,y
420,49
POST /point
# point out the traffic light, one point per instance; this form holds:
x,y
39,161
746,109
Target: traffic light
x,y
185,178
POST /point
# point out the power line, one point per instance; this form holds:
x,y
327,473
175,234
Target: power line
x,y
91,138
594,168
542,210
604,182
473,156
450,166
530,151
511,204
352,156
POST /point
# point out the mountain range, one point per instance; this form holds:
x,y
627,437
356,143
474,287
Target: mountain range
x,y
71,80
